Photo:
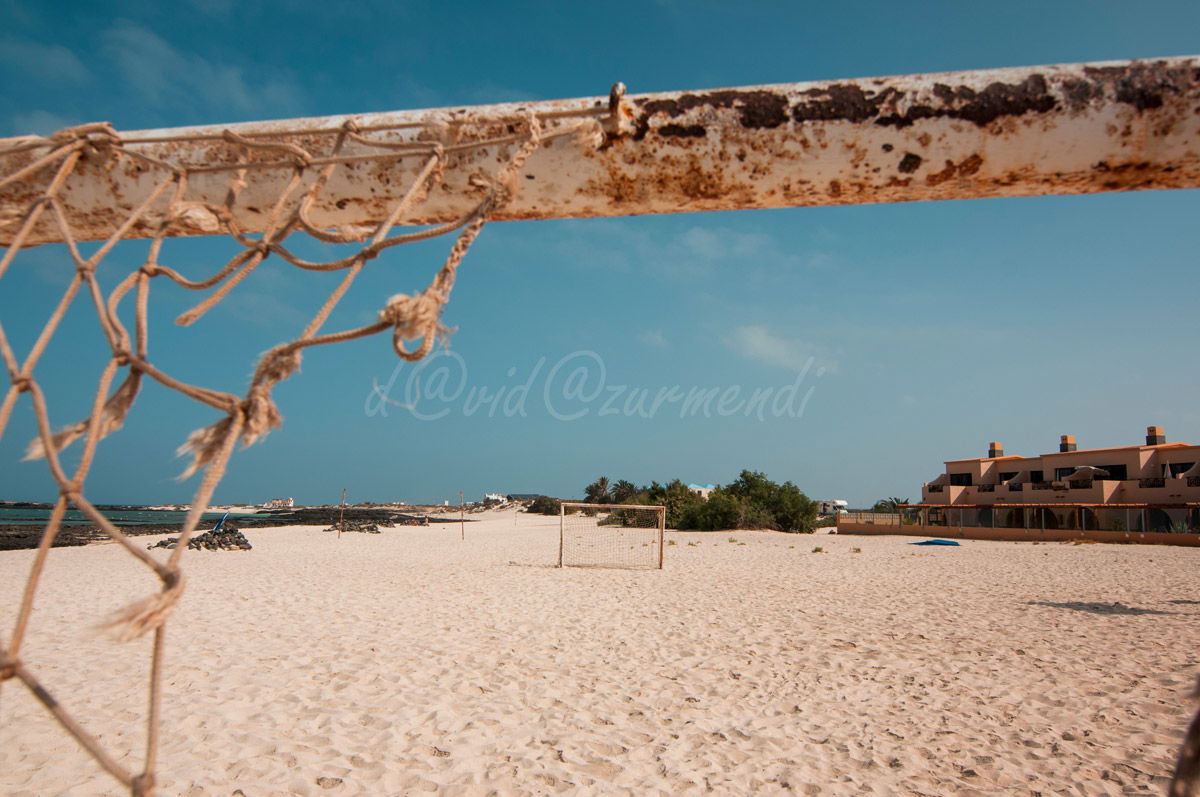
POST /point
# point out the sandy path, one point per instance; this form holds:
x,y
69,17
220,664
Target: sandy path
x,y
410,661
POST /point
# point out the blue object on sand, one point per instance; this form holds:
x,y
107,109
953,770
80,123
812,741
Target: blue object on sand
x,y
934,542
220,522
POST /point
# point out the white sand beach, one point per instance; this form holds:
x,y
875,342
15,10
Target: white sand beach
x,y
412,661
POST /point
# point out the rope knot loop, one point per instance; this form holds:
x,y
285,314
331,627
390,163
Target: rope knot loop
x,y
413,317
23,384
70,489
103,130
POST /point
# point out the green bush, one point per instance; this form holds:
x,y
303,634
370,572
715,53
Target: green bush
x,y
751,502
545,505
675,496
721,511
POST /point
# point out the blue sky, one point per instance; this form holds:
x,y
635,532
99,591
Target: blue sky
x,y
898,335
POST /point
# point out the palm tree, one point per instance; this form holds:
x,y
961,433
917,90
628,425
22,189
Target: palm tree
x,y
623,490
892,504
598,492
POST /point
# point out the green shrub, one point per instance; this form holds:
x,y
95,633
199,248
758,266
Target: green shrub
x,y
719,512
675,496
545,505
753,502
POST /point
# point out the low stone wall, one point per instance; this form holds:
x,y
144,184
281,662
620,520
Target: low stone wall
x,y
1023,535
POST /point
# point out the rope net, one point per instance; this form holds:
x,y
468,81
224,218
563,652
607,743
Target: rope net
x,y
611,535
47,164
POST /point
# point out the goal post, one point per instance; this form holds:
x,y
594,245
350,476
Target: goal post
x,y
611,535
363,182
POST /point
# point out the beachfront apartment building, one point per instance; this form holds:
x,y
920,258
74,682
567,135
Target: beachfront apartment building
x,y
1150,487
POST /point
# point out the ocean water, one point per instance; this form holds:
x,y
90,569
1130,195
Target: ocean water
x,y
14,516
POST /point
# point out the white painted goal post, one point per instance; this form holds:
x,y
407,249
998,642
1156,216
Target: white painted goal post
x,y
611,535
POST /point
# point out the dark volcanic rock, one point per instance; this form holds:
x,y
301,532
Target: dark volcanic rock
x,y
227,539
13,538
357,525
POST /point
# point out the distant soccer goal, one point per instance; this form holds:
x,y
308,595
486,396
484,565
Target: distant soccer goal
x,y
611,535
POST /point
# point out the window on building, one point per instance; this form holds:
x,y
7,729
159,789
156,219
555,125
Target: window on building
x,y
1116,473
1012,474
960,479
1062,473
1037,476
1180,467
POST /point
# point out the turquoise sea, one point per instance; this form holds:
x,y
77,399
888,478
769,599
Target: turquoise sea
x,y
25,516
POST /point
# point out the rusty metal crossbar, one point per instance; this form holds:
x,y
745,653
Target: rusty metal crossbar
x,y
1068,129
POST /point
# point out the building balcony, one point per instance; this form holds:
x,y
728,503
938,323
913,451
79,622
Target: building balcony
x,y
986,488
1015,488
934,488
1155,481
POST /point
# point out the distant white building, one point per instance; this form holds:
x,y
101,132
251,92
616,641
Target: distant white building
x,y
831,507
501,497
702,490
279,503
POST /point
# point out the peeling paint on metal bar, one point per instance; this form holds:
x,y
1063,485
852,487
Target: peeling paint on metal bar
x,y
1071,129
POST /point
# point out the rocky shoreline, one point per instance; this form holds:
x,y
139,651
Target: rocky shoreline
x,y
13,537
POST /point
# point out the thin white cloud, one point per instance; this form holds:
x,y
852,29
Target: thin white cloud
x,y
39,123
42,62
692,255
166,76
654,337
761,345
263,309
414,94
214,8
490,93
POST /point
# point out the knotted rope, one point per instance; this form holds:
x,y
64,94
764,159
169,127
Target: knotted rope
x,y
247,419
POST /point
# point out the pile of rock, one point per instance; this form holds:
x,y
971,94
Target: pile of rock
x,y
227,539
361,526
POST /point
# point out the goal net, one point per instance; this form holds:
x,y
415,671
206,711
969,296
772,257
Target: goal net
x,y
611,535
353,189
271,192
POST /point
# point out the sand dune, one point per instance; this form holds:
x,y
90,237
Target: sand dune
x,y
412,662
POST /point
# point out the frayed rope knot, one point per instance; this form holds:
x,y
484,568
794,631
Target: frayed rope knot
x,y
258,412
83,132
149,613
414,317
113,418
